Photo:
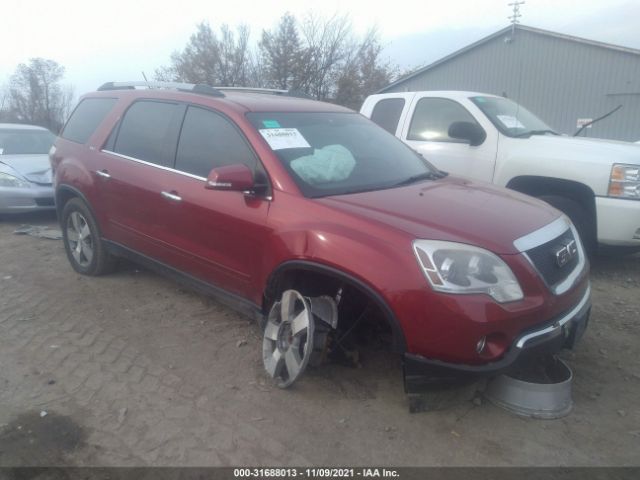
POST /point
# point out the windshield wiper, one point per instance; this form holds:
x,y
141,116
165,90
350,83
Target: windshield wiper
x,y
421,176
536,132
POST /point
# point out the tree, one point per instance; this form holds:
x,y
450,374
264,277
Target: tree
x,y
364,73
328,43
211,60
282,55
37,96
320,57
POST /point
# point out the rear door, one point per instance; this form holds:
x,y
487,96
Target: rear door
x,y
427,131
135,168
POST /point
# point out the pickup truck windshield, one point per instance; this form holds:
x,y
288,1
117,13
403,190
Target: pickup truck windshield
x,y
510,118
339,153
25,142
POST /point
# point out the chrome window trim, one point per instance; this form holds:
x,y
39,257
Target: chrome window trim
x,y
542,235
546,234
559,323
161,167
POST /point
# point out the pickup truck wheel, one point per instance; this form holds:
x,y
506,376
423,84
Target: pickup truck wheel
x,y
579,217
82,240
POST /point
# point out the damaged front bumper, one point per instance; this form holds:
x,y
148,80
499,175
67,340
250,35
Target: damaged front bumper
x,y
565,331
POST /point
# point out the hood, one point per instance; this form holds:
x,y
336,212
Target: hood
x,y
592,150
452,209
35,168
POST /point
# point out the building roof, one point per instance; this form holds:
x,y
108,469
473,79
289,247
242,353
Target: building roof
x,y
499,33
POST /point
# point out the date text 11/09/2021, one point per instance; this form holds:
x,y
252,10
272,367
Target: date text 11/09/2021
x,y
315,473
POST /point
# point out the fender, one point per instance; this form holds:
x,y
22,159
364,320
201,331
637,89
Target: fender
x,y
398,343
76,193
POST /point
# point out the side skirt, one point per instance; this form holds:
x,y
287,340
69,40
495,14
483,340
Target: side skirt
x,y
236,302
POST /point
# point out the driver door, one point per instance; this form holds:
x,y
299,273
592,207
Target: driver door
x,y
217,236
427,132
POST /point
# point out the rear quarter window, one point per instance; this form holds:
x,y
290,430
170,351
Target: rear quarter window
x,y
386,113
86,117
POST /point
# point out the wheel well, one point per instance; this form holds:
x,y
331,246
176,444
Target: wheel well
x,y
63,195
315,280
540,186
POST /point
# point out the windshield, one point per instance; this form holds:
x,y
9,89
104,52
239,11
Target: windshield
x,y
510,118
339,153
23,142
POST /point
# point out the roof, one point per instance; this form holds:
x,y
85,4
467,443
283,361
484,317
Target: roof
x,y
499,33
20,126
259,102
249,100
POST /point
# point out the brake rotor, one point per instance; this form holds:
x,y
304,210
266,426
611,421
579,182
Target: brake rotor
x,y
288,338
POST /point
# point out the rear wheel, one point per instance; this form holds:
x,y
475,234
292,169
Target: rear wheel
x,y
581,219
82,241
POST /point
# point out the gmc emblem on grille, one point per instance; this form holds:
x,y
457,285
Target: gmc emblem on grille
x,y
565,253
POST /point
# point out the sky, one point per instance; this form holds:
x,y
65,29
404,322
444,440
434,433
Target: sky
x,y
117,40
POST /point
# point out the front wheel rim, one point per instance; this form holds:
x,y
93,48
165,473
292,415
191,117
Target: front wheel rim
x,y
80,239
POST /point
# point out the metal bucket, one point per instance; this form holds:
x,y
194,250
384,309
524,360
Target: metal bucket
x,y
548,397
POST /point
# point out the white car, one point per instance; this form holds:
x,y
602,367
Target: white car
x,y
493,139
25,170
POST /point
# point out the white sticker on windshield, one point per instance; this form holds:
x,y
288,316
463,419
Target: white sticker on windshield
x,y
281,138
510,121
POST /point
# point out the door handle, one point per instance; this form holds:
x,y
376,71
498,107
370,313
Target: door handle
x,y
173,196
103,174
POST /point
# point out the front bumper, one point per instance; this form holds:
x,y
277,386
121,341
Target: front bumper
x,y
31,199
618,221
550,337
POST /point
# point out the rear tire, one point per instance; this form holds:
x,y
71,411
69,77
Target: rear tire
x,y
82,240
577,214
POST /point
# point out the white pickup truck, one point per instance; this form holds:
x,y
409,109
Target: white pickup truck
x,y
493,139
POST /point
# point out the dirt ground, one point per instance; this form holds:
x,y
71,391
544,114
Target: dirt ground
x,y
132,369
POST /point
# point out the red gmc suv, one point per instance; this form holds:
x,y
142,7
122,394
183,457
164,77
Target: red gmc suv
x,y
311,217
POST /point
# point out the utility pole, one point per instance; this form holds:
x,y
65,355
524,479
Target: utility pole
x,y
514,18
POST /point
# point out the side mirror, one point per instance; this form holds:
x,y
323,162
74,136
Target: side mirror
x,y
469,131
237,178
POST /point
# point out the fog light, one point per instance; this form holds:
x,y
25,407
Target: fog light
x,y
481,344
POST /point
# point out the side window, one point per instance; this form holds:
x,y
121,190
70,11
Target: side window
x,y
209,140
433,117
86,117
149,132
386,113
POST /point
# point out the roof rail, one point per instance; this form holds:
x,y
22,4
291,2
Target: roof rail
x,y
272,91
183,87
199,88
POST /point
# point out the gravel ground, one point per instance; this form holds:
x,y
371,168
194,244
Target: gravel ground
x,y
133,369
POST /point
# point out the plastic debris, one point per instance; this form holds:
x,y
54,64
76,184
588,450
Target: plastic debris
x,y
39,232
43,413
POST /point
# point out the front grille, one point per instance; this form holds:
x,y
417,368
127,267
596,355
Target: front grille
x,y
45,202
544,258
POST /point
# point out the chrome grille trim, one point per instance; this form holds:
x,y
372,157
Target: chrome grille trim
x,y
546,234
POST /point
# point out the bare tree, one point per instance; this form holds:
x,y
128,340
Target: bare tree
x,y
364,72
327,46
319,56
37,96
212,60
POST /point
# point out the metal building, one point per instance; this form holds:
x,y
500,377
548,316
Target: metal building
x,y
565,80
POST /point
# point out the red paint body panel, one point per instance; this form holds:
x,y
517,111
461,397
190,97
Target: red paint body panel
x,y
235,242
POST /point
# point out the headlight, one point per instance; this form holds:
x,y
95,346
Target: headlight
x,y
7,180
458,268
625,181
